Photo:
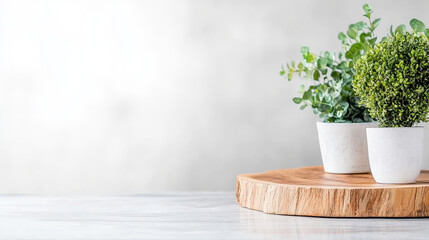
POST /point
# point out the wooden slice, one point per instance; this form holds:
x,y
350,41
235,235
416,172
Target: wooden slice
x,y
309,191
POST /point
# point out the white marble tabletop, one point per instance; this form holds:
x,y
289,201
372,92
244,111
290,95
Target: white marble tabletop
x,y
180,216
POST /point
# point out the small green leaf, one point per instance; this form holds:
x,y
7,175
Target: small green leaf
x,y
316,75
310,58
372,41
342,37
349,55
354,51
335,75
417,25
282,72
427,32
306,95
297,100
345,105
321,63
305,51
375,23
359,25
401,29
339,113
352,33
356,47
328,55
363,36
366,8
300,67
290,76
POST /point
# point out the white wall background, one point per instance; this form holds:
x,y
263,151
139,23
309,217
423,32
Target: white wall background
x,y
119,97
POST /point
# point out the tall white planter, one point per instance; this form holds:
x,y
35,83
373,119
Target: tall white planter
x,y
395,154
344,147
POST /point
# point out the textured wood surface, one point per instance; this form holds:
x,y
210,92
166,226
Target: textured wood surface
x,y
309,191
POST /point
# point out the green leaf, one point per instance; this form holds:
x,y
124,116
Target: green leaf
x,y
297,100
356,47
316,75
321,63
372,41
427,32
305,51
417,25
354,51
328,55
345,105
349,55
363,36
401,29
300,67
375,23
282,72
342,37
367,8
359,25
335,75
290,76
339,113
307,95
310,58
352,33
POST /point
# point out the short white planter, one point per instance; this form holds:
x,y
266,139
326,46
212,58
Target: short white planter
x,y
395,154
344,147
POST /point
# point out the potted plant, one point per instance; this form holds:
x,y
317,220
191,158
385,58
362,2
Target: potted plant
x,y
342,134
393,83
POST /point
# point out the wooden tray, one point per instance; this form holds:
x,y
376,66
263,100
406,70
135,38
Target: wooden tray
x,y
309,191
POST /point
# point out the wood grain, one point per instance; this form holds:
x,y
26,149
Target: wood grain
x,y
309,191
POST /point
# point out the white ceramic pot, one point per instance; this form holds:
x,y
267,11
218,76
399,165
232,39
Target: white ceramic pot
x,y
395,154
343,146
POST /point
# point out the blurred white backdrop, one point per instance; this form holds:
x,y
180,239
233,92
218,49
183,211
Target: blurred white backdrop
x,y
123,97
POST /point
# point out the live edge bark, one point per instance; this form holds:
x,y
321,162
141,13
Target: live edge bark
x,y
280,192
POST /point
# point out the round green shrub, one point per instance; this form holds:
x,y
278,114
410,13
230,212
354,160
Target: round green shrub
x,y
392,80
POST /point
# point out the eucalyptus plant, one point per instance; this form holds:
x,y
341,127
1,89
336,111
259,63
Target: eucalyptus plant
x,y
331,93
392,80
